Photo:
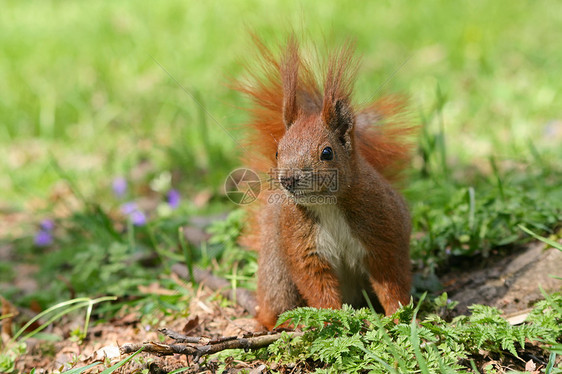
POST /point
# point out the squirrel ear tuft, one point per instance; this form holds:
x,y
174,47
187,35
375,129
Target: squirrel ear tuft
x,y
337,112
289,70
339,117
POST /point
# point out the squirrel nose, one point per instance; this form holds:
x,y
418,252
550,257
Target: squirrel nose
x,y
289,183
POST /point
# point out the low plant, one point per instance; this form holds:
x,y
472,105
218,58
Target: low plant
x,y
16,345
351,341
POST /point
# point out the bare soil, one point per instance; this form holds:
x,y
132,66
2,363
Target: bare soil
x,y
510,283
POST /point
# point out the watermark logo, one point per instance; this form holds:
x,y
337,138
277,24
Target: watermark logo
x,y
303,187
242,186
281,198
304,180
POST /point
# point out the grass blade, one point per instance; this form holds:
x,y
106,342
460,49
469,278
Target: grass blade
x,y
187,253
415,339
552,243
80,301
180,370
87,319
550,364
121,363
379,360
82,369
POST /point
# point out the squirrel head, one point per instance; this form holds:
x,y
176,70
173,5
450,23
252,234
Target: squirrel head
x,y
315,156
303,114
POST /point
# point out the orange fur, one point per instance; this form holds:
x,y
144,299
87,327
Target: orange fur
x,y
384,136
321,254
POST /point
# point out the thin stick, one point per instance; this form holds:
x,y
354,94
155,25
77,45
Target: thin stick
x,y
201,350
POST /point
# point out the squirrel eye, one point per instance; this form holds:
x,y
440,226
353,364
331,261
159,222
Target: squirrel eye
x,y
327,154
276,154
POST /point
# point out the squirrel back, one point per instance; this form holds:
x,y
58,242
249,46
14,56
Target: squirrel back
x,y
320,244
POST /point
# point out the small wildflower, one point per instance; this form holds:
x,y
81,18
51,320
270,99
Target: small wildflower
x,y
47,225
43,238
129,208
119,186
174,198
137,217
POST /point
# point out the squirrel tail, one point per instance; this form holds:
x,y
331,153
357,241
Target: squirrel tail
x,y
384,135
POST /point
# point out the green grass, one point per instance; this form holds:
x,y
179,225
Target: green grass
x,y
91,91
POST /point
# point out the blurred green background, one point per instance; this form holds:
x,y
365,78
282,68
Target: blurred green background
x,y
95,93
81,86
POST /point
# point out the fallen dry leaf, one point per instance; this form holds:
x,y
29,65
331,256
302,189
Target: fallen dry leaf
x,y
531,367
191,324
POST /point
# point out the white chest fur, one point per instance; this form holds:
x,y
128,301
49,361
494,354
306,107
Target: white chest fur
x,y
336,243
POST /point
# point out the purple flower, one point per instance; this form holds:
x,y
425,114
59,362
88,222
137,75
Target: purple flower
x,y
137,217
174,198
47,225
129,208
119,186
43,238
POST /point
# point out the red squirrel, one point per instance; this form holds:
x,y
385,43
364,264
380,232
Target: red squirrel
x,y
335,226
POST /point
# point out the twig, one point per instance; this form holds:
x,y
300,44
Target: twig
x,y
212,346
158,348
180,338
